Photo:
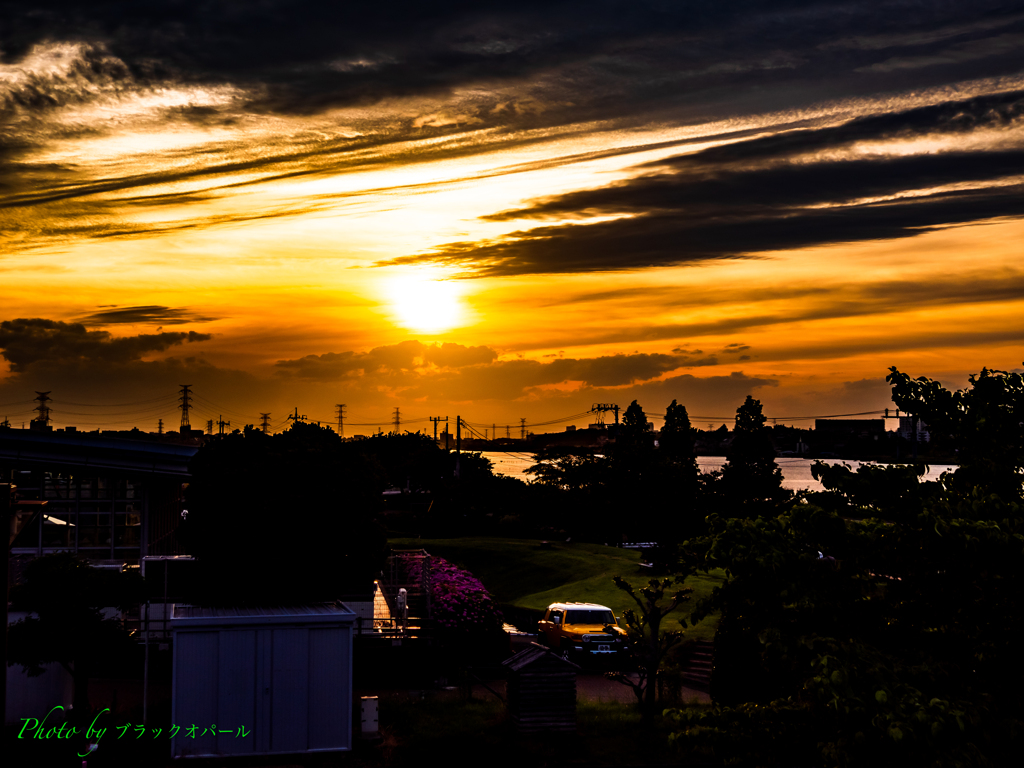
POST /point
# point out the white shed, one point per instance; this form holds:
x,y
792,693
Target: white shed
x,y
262,681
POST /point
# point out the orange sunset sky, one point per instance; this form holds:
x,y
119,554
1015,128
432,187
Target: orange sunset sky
x,y
504,214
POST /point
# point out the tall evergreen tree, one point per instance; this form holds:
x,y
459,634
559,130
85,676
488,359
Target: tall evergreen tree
x,y
751,480
677,437
680,492
633,472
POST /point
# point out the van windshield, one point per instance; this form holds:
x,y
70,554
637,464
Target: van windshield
x,y
589,617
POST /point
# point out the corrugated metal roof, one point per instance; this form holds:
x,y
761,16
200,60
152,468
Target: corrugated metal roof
x,y
184,616
535,652
24,446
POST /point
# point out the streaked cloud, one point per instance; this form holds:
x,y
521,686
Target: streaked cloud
x,y
149,315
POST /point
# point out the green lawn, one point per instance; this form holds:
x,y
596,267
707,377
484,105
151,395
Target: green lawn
x,y
435,730
522,573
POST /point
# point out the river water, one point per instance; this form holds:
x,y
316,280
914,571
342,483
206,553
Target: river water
x,y
796,473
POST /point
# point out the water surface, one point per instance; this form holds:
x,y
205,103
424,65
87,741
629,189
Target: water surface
x,y
796,472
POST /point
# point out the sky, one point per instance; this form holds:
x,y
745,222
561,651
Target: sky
x,y
504,211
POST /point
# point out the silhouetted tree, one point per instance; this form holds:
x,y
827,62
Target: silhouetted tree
x,y
983,422
649,644
583,481
634,446
66,597
751,483
676,441
283,518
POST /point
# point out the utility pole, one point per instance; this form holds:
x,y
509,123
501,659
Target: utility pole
x,y
294,417
458,445
265,426
159,426
186,406
522,429
44,410
341,418
221,423
398,421
436,419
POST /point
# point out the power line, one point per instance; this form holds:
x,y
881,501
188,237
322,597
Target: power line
x,y
220,408
164,398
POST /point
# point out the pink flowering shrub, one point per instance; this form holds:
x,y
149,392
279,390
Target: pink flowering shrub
x,y
459,602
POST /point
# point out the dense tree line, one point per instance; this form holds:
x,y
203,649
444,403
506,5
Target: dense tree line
x,y
639,491
877,622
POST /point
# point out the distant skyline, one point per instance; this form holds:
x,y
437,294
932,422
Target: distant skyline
x,y
504,212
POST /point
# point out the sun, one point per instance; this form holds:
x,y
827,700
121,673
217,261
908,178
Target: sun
x,y
421,302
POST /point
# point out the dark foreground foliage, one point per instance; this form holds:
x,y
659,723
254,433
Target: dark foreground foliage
x,y
877,623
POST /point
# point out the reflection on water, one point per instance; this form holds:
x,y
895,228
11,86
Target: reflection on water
x,y
796,473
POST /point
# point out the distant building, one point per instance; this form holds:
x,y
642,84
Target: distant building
x,y
906,431
106,498
838,429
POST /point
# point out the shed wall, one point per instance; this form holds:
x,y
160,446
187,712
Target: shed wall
x,y
290,688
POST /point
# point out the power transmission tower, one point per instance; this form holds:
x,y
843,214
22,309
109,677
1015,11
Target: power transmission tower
x,y
209,426
600,409
186,406
494,431
159,426
398,421
508,432
221,423
44,410
522,429
341,418
265,426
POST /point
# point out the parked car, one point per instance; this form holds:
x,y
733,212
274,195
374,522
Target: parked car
x,y
583,631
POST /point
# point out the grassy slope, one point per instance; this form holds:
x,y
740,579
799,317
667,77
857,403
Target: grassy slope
x,y
520,572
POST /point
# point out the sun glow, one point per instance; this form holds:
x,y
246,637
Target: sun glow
x,y
421,302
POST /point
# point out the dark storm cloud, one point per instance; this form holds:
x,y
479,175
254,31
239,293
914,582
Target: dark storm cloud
x,y
390,361
151,315
448,355
456,372
28,342
305,56
792,190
